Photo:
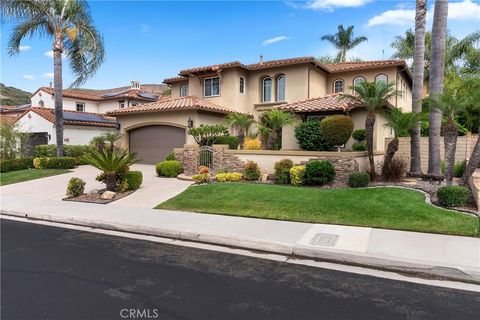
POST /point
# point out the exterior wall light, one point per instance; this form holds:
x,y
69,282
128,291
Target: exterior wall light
x,y
190,122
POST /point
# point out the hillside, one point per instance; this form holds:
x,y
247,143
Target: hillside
x,y
11,96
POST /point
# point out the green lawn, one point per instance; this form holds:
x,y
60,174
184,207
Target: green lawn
x,y
388,208
28,174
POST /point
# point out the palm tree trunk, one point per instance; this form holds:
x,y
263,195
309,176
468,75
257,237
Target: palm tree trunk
x,y
417,87
111,181
472,164
437,67
450,137
58,89
369,127
272,138
390,153
241,138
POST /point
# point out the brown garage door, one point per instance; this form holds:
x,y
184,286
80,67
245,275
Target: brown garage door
x,y
153,143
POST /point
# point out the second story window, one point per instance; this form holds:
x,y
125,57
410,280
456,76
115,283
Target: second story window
x,y
211,87
183,90
358,80
381,78
80,106
121,104
281,88
242,85
41,104
338,86
267,90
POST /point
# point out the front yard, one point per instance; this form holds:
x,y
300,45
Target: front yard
x,y
28,174
388,208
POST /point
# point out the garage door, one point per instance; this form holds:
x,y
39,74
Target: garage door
x,y
153,143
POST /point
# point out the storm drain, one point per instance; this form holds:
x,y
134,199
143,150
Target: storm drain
x,y
324,239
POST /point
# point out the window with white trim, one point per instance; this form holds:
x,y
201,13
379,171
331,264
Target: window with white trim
x,y
80,106
358,80
338,86
281,87
381,78
242,85
267,89
183,90
121,104
41,104
211,87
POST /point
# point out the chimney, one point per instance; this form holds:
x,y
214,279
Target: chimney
x,y
50,84
135,84
261,59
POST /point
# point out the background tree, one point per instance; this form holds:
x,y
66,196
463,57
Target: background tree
x,y
374,96
275,120
437,69
242,123
343,41
472,86
69,24
417,86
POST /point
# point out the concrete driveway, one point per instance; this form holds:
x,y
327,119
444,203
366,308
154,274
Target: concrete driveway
x,y
153,191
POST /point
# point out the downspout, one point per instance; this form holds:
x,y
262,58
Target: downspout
x,y
308,83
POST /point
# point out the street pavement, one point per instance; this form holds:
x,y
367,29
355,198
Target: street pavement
x,y
55,273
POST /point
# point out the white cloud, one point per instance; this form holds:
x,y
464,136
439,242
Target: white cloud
x,y
48,75
275,39
28,77
330,5
465,10
400,17
49,54
24,48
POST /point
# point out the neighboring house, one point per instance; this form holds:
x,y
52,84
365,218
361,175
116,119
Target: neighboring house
x,y
303,86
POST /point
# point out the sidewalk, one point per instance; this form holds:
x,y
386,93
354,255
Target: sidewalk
x,y
429,255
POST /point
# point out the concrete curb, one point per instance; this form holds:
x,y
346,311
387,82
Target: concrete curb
x,y
380,262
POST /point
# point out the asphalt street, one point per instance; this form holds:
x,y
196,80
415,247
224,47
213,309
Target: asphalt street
x,y
56,273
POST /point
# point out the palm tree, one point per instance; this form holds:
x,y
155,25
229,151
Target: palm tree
x,y
374,96
437,68
111,138
70,26
450,104
242,123
275,120
344,41
472,86
417,86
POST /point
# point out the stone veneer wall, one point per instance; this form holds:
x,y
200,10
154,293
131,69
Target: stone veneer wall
x,y
343,166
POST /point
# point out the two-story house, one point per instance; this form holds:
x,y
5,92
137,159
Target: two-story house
x,y
304,86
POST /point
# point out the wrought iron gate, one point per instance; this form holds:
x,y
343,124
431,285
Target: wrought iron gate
x,y
205,156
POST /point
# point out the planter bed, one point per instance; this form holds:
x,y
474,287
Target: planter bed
x,y
96,197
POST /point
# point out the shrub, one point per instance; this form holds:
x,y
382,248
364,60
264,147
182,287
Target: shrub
x,y
310,137
359,146
224,170
228,177
359,135
203,170
69,150
251,171
337,129
282,171
168,168
319,172
297,175
232,141
170,156
201,178
452,196
75,187
40,163
395,171
252,144
134,179
16,164
358,180
59,163
206,135
459,169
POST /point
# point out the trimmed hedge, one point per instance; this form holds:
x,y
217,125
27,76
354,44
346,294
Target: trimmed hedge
x,y
282,171
169,168
337,129
55,163
310,137
318,173
359,146
359,134
453,196
358,180
297,175
170,156
228,177
69,150
232,141
251,171
134,179
75,187
16,164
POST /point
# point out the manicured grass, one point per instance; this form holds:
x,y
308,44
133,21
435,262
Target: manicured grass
x,y
388,208
28,174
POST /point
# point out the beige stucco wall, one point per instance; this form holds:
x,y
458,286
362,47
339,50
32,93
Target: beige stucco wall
x,y
318,83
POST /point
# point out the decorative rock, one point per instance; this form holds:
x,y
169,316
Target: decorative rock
x,y
93,191
108,195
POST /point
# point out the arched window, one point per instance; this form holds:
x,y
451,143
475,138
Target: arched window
x,y
183,90
242,85
381,78
358,80
281,87
267,89
41,104
338,86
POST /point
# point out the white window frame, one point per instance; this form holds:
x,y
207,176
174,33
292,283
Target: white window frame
x,y
121,104
334,86
205,87
382,74
357,78
263,89
242,86
41,104
80,104
184,94
284,77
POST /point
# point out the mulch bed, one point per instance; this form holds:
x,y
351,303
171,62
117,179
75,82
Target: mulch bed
x,y
96,197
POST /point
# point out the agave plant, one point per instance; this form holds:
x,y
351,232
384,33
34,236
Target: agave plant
x,y
110,162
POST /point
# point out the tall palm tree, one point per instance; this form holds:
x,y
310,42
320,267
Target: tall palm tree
x,y
374,96
275,120
242,123
437,68
70,26
450,104
472,86
344,41
417,86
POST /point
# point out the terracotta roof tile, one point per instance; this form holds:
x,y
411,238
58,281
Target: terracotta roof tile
x,y
215,67
281,62
183,103
349,66
331,102
89,95
175,79
49,115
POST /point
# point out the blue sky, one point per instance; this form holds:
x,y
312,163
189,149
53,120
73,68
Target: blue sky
x,y
151,40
